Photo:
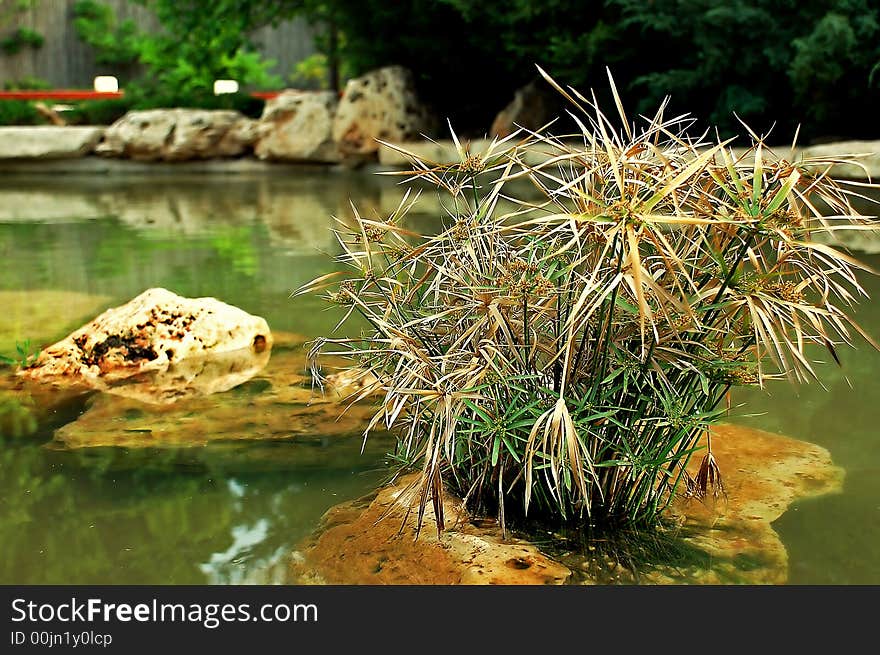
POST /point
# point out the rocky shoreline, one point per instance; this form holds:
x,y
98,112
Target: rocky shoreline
x,y
306,128
51,150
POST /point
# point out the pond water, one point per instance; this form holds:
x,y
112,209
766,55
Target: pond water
x,y
231,510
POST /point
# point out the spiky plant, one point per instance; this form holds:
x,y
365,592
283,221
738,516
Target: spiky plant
x,y
565,357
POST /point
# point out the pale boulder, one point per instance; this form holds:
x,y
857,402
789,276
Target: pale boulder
x,y
379,105
48,141
297,126
148,334
178,135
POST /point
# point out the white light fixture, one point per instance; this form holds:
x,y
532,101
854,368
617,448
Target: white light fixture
x,y
225,86
106,84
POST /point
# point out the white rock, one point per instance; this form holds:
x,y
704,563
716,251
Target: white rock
x,y
48,142
868,161
441,151
178,135
379,105
297,126
152,331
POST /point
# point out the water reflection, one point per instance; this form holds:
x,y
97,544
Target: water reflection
x,y
174,515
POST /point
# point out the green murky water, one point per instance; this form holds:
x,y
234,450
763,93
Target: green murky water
x,y
231,511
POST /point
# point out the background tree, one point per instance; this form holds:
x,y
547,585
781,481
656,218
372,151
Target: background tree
x,y
786,61
198,42
791,62
807,62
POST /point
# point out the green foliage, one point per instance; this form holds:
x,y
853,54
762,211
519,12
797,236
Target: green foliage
x,y
822,59
144,98
26,356
568,355
19,112
26,83
798,62
311,73
21,38
114,42
803,62
198,43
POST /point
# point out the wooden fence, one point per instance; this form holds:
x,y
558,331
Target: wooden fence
x,y
65,61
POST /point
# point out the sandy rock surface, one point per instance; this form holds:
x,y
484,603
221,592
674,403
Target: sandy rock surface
x,y
729,540
371,541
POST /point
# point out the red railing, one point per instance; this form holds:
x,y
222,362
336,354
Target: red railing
x,y
77,94
60,94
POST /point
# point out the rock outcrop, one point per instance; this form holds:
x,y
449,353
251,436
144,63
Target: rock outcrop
x,y
278,403
297,126
178,135
48,141
370,541
150,333
729,540
532,107
379,105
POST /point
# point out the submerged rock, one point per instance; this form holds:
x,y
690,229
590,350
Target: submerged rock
x,y
379,105
27,407
730,540
150,333
277,403
764,474
371,541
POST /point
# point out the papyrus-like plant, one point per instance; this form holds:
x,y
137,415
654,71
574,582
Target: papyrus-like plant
x,y
565,356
